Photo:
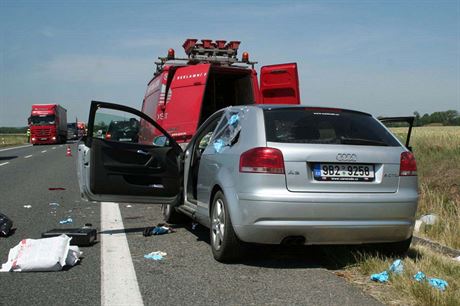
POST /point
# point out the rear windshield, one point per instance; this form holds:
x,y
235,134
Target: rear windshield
x,y
325,126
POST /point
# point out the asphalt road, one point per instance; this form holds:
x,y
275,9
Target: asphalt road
x,y
187,275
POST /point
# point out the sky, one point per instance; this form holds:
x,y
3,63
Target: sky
x,y
387,58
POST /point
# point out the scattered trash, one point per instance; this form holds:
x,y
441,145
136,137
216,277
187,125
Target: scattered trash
x,y
437,283
457,258
56,188
27,206
429,219
47,254
194,225
380,277
158,255
85,236
160,229
66,221
129,205
397,266
73,256
54,204
5,225
419,276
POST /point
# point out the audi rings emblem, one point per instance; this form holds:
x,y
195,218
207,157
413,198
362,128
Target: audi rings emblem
x,y
346,157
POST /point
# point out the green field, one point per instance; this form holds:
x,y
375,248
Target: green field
x,y
7,140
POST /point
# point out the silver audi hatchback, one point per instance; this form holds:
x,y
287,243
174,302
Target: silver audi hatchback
x,y
269,174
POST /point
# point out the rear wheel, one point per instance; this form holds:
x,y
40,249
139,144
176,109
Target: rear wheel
x,y
225,245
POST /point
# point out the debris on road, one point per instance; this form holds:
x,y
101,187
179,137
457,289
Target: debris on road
x,y
5,225
85,236
54,204
158,255
194,225
46,254
27,206
160,229
66,221
437,283
129,206
56,188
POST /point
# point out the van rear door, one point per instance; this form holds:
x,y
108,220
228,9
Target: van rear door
x,y
185,96
279,84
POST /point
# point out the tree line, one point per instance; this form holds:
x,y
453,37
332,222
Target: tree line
x,y
450,117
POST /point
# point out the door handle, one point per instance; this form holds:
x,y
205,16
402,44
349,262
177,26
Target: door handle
x,y
143,152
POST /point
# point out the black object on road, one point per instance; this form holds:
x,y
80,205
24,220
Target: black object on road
x,y
5,225
85,236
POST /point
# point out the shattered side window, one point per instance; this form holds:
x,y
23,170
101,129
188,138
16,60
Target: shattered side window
x,y
227,130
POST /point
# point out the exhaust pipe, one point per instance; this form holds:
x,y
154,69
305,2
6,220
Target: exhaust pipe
x,y
293,240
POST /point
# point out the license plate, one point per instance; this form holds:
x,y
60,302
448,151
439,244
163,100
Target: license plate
x,y
42,138
125,139
343,172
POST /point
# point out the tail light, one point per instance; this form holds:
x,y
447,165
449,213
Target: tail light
x,y
408,166
108,136
262,160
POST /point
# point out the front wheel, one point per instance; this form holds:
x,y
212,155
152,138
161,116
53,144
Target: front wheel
x,y
225,245
171,215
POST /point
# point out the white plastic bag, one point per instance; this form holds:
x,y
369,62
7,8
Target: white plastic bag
x,y
47,254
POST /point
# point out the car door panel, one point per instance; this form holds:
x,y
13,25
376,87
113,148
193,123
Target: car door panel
x,y
134,171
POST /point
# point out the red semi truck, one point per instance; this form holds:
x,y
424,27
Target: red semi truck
x,y
184,92
48,124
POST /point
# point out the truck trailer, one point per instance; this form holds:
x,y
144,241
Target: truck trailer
x,y
48,124
184,92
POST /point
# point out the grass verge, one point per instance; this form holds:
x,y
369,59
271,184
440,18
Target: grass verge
x,y
7,140
437,151
403,289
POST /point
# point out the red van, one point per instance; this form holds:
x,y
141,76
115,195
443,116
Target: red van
x,y
184,92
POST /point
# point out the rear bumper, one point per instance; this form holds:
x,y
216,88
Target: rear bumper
x,y
323,218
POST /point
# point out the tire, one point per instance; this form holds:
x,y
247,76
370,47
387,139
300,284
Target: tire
x,y
399,248
225,245
171,215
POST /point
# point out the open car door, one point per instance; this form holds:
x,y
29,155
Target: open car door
x,y
279,84
390,122
117,163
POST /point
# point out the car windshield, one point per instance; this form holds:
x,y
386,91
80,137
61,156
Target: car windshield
x,y
42,120
325,126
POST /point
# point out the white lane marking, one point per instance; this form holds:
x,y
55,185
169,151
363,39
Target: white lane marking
x,y
60,146
54,148
28,156
44,151
12,148
118,278
3,164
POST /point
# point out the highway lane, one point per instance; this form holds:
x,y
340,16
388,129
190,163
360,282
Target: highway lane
x,y
187,275
25,181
